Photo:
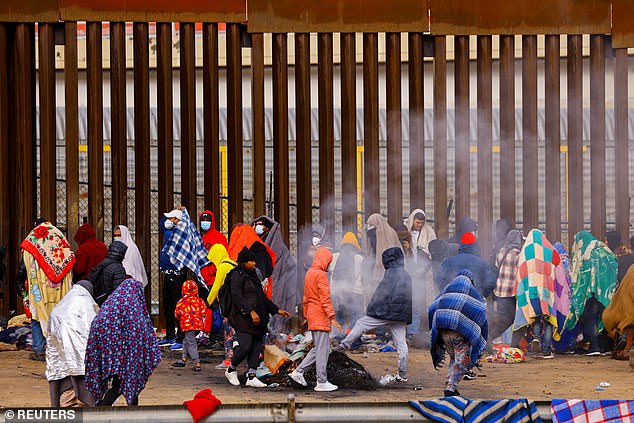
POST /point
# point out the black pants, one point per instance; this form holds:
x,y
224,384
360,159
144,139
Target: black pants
x,y
172,292
113,393
501,315
250,347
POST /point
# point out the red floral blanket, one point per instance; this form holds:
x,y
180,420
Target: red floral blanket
x,y
51,250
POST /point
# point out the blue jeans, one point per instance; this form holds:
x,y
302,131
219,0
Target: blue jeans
x,y
590,319
39,342
414,327
544,330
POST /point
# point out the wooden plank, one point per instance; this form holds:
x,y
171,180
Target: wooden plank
x,y
337,16
95,128
463,135
394,135
280,132
234,122
71,105
142,203
371,186
188,116
507,128
119,119
153,10
441,219
326,133
597,135
485,136
622,23
29,11
212,119
553,141
303,150
349,132
165,122
258,112
416,122
486,17
6,236
622,150
48,136
575,136
529,131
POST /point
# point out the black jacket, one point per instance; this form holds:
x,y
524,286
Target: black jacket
x,y
392,299
247,295
110,273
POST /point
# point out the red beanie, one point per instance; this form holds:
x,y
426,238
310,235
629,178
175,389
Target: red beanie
x,y
468,238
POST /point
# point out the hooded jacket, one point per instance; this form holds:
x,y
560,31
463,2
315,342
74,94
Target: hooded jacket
x,y
247,295
220,258
90,253
213,236
467,224
110,273
392,299
502,228
468,258
190,309
425,235
318,307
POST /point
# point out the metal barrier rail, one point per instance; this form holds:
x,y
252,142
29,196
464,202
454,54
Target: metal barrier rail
x,y
290,412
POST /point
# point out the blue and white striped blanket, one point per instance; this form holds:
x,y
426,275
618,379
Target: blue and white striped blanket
x,y
463,410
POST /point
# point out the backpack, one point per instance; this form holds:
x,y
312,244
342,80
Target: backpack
x,y
224,294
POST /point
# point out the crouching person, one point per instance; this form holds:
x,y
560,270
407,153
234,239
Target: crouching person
x,y
458,324
190,311
320,316
249,316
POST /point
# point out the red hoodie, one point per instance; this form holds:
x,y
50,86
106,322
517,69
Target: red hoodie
x,y
212,236
90,253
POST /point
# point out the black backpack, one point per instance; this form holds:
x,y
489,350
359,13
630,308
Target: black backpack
x,y
224,294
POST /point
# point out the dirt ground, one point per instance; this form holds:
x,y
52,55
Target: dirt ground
x,y
24,383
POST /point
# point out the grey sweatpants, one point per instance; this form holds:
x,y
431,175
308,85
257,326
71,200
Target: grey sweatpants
x,y
318,354
190,347
397,329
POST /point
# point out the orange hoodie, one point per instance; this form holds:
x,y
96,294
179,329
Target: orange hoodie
x,y
317,305
190,309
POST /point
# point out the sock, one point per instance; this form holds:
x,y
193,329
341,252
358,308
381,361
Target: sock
x,y
231,369
251,374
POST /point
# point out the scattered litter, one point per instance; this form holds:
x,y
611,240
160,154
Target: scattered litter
x,y
598,388
604,384
418,388
273,385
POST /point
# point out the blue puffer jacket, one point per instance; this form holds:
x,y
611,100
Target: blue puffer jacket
x,y
468,258
392,299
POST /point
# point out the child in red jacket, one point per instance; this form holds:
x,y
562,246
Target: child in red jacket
x,y
190,311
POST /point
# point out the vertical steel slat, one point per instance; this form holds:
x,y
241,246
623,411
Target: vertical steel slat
x,y
71,105
234,122
440,136
394,130
416,123
119,137
326,133
48,184
575,136
188,117
95,127
507,127
303,155
212,119
258,179
597,135
142,204
553,142
622,142
5,166
349,132
529,131
485,136
280,132
463,135
371,186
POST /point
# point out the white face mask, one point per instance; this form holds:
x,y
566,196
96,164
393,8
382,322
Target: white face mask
x,y
117,238
169,224
259,229
316,241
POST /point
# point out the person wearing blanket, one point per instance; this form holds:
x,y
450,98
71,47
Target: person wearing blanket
x,y
458,325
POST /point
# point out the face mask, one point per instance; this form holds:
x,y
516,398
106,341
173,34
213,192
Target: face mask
x,y
117,238
205,225
316,241
169,224
259,229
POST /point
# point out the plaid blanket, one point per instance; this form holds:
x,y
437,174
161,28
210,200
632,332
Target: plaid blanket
x,y
536,281
185,247
459,307
460,409
592,411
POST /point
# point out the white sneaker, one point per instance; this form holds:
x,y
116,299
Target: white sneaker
x,y
232,377
254,382
325,387
548,356
298,377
